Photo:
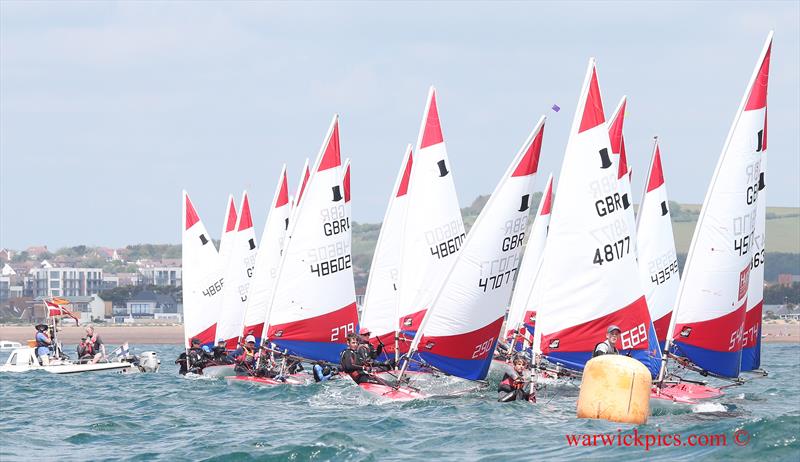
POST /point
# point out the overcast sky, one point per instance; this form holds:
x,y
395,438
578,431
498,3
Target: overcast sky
x,y
108,110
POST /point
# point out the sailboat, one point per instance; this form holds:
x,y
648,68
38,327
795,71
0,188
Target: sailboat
x,y
313,306
433,232
381,299
707,326
459,331
202,278
521,322
238,273
589,279
751,335
658,260
267,260
617,140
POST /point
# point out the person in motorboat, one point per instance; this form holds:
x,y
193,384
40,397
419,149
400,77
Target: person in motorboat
x,y
609,346
323,372
352,363
512,386
368,353
220,353
97,344
194,356
43,344
85,351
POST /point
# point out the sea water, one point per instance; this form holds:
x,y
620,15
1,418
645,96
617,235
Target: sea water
x,y
165,416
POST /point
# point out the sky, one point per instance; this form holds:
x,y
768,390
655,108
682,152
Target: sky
x,y
109,109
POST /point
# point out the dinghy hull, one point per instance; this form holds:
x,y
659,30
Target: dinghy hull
x,y
394,394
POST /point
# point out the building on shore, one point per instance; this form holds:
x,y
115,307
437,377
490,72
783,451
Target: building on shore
x,y
63,282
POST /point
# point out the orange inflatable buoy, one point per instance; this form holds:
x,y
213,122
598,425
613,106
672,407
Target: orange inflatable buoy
x,y
615,388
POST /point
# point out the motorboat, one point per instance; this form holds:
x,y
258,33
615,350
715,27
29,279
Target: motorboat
x,y
8,345
24,360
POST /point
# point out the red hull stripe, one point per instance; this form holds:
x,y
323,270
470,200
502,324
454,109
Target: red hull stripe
x,y
722,334
584,337
331,157
283,195
530,161
656,173
206,337
247,221
331,327
758,93
403,189
464,346
433,130
593,114
191,215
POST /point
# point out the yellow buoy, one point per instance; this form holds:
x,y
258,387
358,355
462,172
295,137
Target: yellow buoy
x,y
615,388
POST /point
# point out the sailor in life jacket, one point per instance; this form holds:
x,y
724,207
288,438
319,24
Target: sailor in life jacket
x,y
512,387
85,350
245,356
43,343
609,347
368,353
352,363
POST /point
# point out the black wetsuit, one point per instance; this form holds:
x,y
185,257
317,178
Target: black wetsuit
x,y
352,364
368,353
220,356
197,360
512,388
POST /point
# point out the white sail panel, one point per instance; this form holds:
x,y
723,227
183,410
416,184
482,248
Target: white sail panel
x,y
202,279
617,139
227,234
268,260
751,338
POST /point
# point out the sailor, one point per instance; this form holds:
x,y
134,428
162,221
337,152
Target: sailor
x,y
43,343
220,353
323,372
352,363
512,387
196,359
245,356
368,353
97,345
609,347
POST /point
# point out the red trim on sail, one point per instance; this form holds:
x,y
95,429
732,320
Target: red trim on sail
x,y
206,336
758,92
283,194
764,138
548,199
615,132
593,114
254,330
469,345
403,189
412,321
330,327
530,161
191,216
584,337
433,129
723,334
662,326
230,223
303,185
246,221
656,173
752,326
623,160
346,183
331,157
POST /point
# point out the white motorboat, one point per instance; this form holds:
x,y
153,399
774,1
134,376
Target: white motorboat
x,y
24,360
8,345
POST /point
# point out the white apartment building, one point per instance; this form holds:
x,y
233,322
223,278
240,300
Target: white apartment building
x,y
162,276
64,282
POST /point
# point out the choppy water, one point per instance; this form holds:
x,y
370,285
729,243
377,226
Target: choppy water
x,y
168,417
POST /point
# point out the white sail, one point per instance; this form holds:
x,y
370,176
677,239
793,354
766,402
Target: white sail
x,y
589,278
658,261
268,259
433,231
460,330
381,299
519,316
624,173
313,306
202,278
751,338
238,273
227,234
709,314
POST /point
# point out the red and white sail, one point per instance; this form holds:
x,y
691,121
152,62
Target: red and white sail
x,y
460,330
658,261
268,259
751,337
589,279
305,174
228,232
202,278
313,307
238,273
381,299
434,230
624,173
712,300
519,315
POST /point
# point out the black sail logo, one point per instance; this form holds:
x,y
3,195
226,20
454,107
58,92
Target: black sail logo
x,y
337,193
203,239
442,169
605,161
524,205
664,209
